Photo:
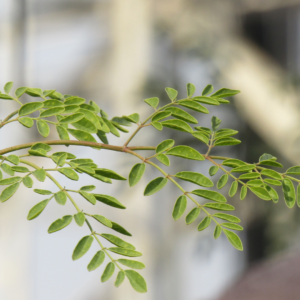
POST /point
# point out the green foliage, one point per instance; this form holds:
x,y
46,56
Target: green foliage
x,y
74,117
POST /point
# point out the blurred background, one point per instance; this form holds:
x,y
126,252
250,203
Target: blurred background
x,y
118,53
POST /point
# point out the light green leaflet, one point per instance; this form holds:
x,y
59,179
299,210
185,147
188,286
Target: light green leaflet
x,y
233,188
206,100
171,93
120,278
234,239
211,195
202,137
165,145
108,271
29,108
260,192
185,152
8,86
88,188
43,128
79,219
42,192
224,92
110,174
68,172
213,170
125,252
293,170
52,112
11,180
157,125
222,181
152,101
288,192
273,194
207,90
136,281
82,136
217,232
227,142
82,247
89,197
34,92
219,206
298,195
193,106
28,182
177,125
26,121
72,118
8,192
232,226
103,220
227,217
196,178
272,174
74,100
60,224
179,208
96,261
109,200
20,91
155,185
131,263
190,88
14,159
61,198
52,103
243,193
134,118
249,176
161,115
182,115
19,169
7,169
243,168
85,125
233,163
37,209
204,223
117,241
120,229
163,159
192,215
215,123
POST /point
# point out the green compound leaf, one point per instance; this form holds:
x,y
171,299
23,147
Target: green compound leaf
x,y
288,192
196,178
120,229
131,263
179,208
28,182
190,88
155,185
117,241
293,170
260,192
125,252
96,261
227,142
37,209
192,215
243,193
234,239
213,170
60,224
120,278
103,220
108,271
193,106
29,108
7,169
171,93
136,281
152,101
110,174
224,92
207,90
227,217
165,145
233,189
202,137
177,125
233,163
79,218
82,247
52,112
26,121
185,152
43,128
11,180
232,226
182,115
206,100
42,192
204,223
272,174
68,172
89,197
217,232
109,200
210,195
61,198
163,159
219,206
8,86
222,181
8,192
161,115
136,174
82,136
